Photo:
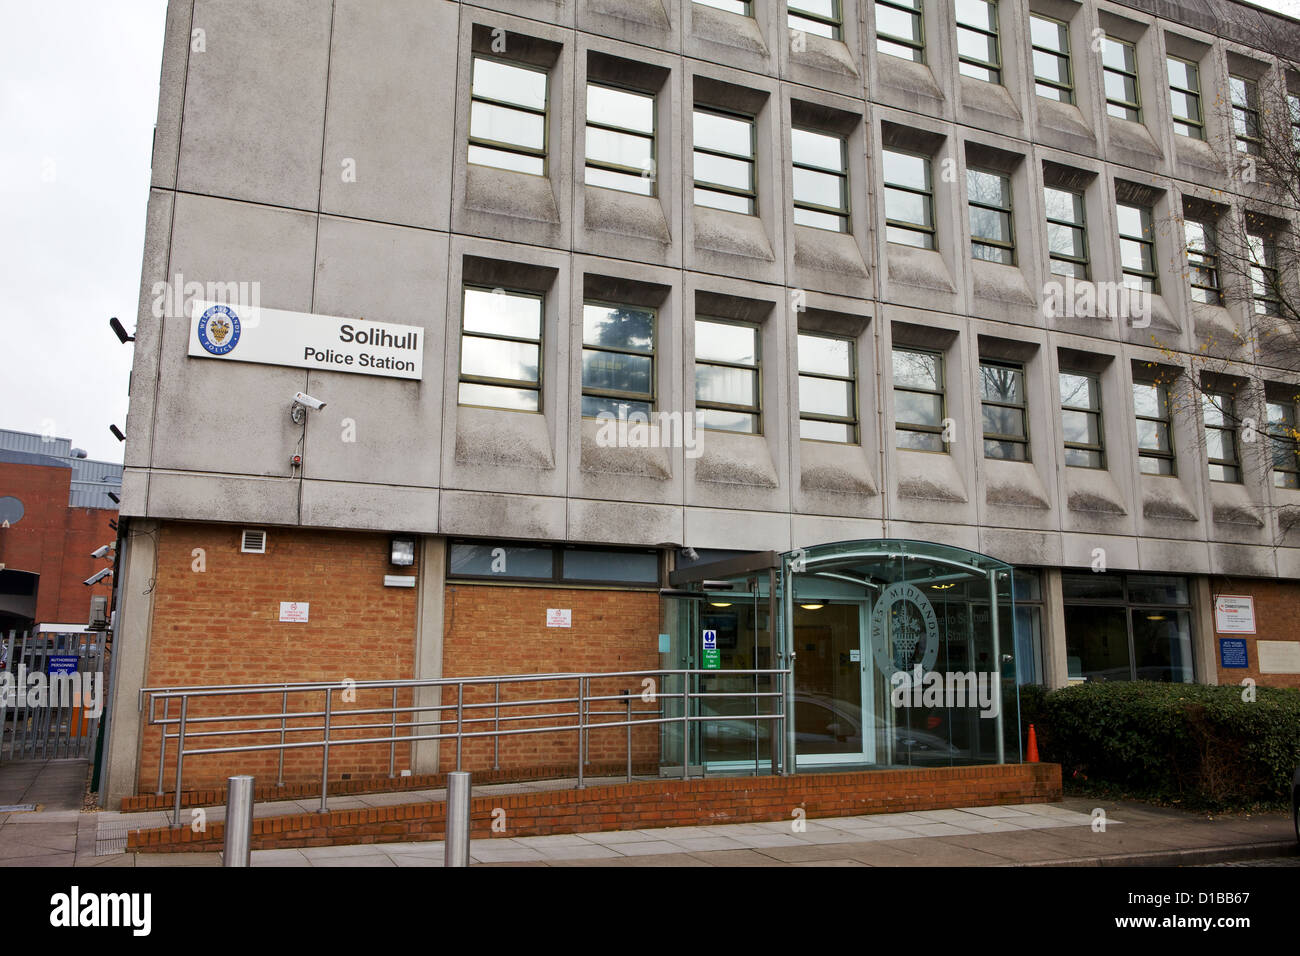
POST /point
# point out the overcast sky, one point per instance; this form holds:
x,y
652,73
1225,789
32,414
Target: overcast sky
x,y
78,99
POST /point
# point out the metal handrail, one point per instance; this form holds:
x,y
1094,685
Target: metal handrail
x,y
323,720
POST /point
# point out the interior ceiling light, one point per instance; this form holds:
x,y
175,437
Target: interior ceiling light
x,y
1155,617
720,603
943,587
812,607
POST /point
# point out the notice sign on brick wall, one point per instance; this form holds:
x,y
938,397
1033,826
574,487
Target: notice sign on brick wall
x,y
559,617
1234,614
294,611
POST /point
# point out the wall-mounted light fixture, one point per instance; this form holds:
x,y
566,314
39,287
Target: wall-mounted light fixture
x,y
402,552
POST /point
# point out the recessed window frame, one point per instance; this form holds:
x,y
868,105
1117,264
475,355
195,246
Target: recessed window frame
x,y
1264,275
1164,461
588,163
1195,124
1081,225
542,152
1021,407
1203,262
915,44
756,410
647,398
1284,442
556,576
1065,91
1146,279
1007,246
1093,411
1222,403
941,391
851,380
842,212
992,67
931,231
741,8
750,194
800,18
1245,111
540,342
1124,107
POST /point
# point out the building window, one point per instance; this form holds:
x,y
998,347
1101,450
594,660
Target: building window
x,y
501,349
1285,442
1127,627
821,17
1185,97
828,399
1137,247
909,199
900,29
1221,436
502,561
620,139
918,400
1264,275
1003,408
1203,262
1244,94
727,384
724,161
1081,420
1293,109
821,180
1067,232
507,117
978,53
1119,70
618,359
1050,40
991,234
743,7
1154,432
1027,584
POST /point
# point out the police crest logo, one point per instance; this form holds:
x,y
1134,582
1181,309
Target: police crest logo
x,y
219,330
904,629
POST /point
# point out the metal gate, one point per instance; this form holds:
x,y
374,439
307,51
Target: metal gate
x,y
52,694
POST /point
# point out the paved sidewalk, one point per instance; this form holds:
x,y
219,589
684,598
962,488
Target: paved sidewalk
x,y
57,833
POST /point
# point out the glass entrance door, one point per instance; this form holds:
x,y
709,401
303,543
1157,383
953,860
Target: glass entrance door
x,y
830,684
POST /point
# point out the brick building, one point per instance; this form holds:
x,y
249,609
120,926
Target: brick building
x,y
822,232
55,510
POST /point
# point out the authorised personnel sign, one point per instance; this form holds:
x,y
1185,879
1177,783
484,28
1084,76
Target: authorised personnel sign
x,y
239,333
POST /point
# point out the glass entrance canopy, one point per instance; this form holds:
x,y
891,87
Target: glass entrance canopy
x,y
902,655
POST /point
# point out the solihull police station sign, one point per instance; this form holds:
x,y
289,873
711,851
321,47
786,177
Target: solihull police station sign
x,y
241,333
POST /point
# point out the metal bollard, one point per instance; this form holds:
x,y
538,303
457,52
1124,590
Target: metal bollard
x,y
239,822
458,819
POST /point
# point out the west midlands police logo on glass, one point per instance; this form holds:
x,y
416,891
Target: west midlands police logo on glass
x,y
219,329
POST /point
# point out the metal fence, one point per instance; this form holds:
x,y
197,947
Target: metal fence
x,y
189,734
52,694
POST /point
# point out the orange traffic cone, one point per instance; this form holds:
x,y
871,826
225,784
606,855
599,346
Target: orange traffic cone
x,y
1033,745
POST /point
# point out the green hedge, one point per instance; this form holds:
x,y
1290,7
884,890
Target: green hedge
x,y
1197,745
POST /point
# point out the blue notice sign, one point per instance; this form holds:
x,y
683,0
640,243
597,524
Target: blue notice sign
x,y
63,665
1232,652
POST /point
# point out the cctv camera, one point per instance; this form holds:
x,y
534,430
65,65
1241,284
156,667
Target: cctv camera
x,y
302,398
690,554
102,552
97,577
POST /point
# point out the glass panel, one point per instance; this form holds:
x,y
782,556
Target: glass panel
x,y
593,406
820,220
1080,428
1028,585
1049,34
918,441
727,420
725,134
721,171
731,6
493,358
1148,400
493,396
616,371
1162,644
978,13
1152,436
1218,444
1077,391
908,208
817,149
1093,587
1002,384
502,159
1066,240
1082,458
1096,643
1003,421
918,408
821,189
621,149
1118,55
977,46
619,327
905,169
829,356
1183,74
634,111
823,396
1157,589
501,124
725,201
828,684
1134,221
1051,66
495,559
1062,205
916,369
826,431
1185,105
726,343
610,566
1217,409
1006,450
897,23
990,224
503,313
510,84
727,386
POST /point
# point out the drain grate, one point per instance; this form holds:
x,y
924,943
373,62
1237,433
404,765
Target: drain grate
x,y
17,807
111,838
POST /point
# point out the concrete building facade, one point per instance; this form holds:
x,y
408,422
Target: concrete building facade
x,y
814,292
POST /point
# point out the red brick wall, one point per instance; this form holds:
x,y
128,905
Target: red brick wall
x,y
55,541
491,629
221,626
1277,618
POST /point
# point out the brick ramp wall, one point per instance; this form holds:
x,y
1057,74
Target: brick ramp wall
x,y
641,805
